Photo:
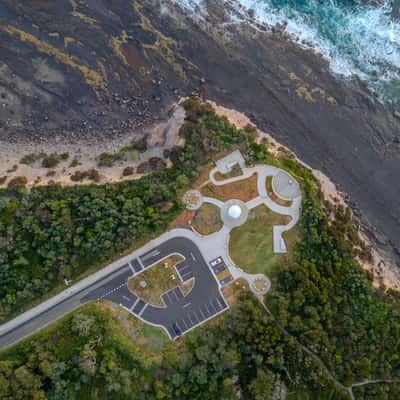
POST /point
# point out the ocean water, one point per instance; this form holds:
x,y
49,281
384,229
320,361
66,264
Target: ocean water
x,y
359,38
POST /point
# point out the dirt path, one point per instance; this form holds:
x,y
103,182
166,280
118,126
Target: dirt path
x,y
340,385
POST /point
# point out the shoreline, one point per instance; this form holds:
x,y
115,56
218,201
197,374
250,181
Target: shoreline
x,y
159,138
338,127
382,268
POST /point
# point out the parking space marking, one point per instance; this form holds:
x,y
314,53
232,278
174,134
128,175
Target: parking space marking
x,y
172,296
221,302
132,269
167,299
180,325
193,257
211,305
142,311
206,311
179,293
184,322
134,303
197,318
135,265
202,314
190,318
187,277
150,254
181,269
140,262
186,305
209,312
216,304
140,304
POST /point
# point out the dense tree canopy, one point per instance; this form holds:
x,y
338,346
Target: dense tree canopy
x,y
327,327
55,232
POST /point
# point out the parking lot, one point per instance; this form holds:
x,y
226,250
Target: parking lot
x,y
181,313
172,296
202,312
221,271
184,270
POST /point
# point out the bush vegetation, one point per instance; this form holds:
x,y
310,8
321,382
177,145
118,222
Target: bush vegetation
x,y
325,315
56,232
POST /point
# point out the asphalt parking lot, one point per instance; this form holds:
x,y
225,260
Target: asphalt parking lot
x,y
181,313
204,301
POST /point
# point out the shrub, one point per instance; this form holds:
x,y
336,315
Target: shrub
x,y
92,175
109,159
28,159
139,144
74,163
50,160
17,182
128,171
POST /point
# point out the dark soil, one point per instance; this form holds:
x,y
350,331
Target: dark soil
x,y
101,67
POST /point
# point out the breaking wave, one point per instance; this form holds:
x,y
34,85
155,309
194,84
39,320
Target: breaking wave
x,y
359,39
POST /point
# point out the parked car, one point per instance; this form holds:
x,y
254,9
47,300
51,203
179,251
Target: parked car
x,y
215,262
177,331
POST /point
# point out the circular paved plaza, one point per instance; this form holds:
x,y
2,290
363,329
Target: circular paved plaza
x,y
234,213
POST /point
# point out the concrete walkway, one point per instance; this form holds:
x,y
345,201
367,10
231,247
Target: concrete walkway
x,y
95,278
263,172
221,238
211,247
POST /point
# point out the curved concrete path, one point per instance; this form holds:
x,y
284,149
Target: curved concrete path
x,y
279,246
211,247
263,172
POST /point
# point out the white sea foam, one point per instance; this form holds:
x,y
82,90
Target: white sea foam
x,y
358,41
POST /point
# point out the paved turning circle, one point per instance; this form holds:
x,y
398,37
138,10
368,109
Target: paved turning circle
x,y
181,313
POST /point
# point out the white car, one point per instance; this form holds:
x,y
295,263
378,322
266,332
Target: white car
x,y
215,262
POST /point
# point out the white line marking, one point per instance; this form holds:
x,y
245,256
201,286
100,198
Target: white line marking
x,y
183,320
134,304
140,262
217,307
220,303
193,257
150,254
190,319
111,291
183,268
197,318
186,305
142,311
169,298
202,314
130,266
213,307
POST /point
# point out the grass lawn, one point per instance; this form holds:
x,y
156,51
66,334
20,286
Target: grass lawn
x,y
207,219
244,190
159,278
236,171
251,246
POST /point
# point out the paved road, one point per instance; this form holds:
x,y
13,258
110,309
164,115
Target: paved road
x,y
112,286
181,313
56,311
203,302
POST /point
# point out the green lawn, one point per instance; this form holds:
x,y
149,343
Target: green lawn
x,y
251,246
159,278
207,219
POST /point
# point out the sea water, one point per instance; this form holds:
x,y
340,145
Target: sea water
x,y
359,38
